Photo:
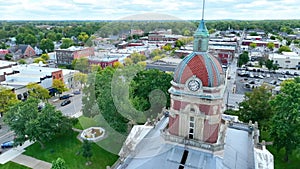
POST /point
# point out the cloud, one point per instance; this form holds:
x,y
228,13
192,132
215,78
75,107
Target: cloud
x,y
116,9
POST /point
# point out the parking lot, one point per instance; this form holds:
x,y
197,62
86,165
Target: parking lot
x,y
247,79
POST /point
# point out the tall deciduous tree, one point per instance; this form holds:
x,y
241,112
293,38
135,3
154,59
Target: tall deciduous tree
x,y
66,43
80,78
243,58
285,124
47,45
87,151
149,90
7,98
30,123
271,45
284,49
81,64
137,57
256,106
83,36
269,64
37,91
59,85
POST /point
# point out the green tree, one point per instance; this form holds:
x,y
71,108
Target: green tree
x,y
271,46
58,36
156,58
253,45
45,56
272,37
30,39
269,64
22,61
38,60
59,163
51,35
59,85
97,98
8,56
80,78
284,49
83,36
179,43
81,64
20,38
128,61
7,98
66,43
167,47
118,64
156,52
30,123
37,91
144,83
87,151
256,106
285,124
186,32
243,58
47,45
137,57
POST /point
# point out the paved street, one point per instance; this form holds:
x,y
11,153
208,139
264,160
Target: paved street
x,y
72,108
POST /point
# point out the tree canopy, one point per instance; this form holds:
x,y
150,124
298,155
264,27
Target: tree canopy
x,y
256,106
81,64
80,78
149,91
243,58
30,123
47,45
7,98
37,91
284,49
285,124
59,85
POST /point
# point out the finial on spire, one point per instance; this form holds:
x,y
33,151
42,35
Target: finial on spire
x,y
203,9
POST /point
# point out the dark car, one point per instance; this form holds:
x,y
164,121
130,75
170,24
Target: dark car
x,y
65,102
7,144
76,92
296,74
64,97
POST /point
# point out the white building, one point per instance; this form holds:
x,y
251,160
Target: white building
x,y
287,60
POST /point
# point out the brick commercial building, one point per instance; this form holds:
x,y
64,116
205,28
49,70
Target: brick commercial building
x,y
66,56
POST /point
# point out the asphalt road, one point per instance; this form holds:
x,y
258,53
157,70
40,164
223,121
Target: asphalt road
x,y
72,108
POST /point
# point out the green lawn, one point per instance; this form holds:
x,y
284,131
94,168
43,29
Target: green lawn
x,y
66,147
113,141
279,156
12,165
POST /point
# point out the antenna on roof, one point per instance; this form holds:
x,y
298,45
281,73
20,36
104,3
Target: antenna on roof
x,y
203,9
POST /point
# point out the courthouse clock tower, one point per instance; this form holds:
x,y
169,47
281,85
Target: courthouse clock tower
x,y
197,93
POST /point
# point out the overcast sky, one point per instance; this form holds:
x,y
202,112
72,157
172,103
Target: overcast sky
x,y
118,9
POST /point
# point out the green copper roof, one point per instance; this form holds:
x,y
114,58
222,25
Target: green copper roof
x,y
202,30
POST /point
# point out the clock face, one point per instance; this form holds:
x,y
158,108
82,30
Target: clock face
x,y
193,85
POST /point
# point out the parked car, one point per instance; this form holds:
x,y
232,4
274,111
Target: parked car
x,y
296,74
64,97
65,102
76,92
7,144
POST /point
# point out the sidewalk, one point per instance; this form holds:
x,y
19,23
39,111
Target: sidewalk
x,y
31,162
13,153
